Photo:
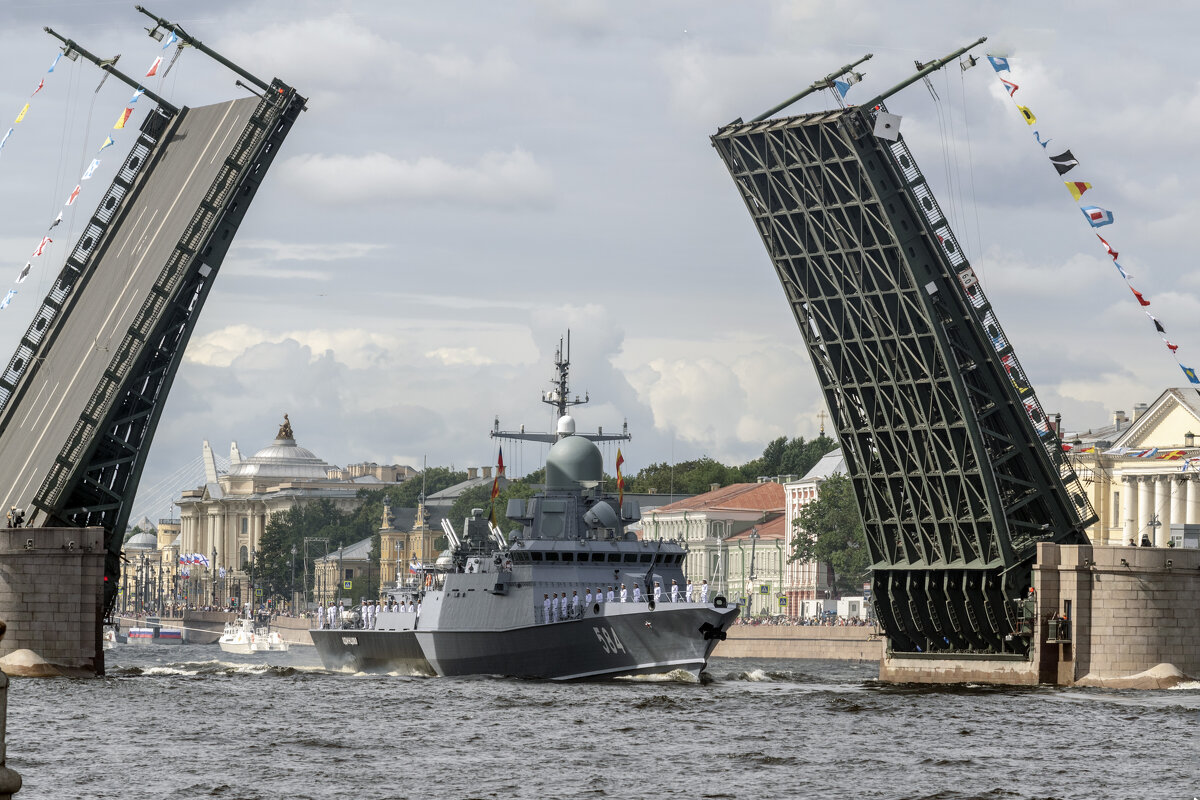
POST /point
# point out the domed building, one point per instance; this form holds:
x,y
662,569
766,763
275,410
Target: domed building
x,y
225,518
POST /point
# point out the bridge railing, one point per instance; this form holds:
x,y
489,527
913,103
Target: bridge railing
x,y
165,291
76,267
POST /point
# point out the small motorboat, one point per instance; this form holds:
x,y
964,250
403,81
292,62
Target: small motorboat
x,y
243,636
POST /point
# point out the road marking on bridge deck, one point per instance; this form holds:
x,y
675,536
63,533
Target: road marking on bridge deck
x,y
84,361
34,404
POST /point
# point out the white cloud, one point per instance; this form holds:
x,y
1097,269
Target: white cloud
x,y
498,180
457,356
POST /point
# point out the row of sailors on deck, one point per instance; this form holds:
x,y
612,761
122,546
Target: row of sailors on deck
x,y
336,615
558,607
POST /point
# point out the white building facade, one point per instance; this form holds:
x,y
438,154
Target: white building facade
x,y
808,580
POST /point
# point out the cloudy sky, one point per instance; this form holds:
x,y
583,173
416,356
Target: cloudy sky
x,y
473,179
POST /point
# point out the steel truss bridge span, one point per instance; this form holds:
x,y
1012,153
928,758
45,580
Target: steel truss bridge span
x,y
955,469
82,395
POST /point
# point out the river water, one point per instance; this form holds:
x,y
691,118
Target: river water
x,y
189,721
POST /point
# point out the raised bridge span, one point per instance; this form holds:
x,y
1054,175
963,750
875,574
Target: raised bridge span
x,y
956,470
81,397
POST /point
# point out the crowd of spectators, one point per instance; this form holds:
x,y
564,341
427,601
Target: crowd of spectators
x,y
827,621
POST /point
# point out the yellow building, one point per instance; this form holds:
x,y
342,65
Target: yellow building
x,y
398,547
1139,473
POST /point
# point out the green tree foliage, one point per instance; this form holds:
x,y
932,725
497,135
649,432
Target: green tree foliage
x,y
784,457
481,497
686,477
320,519
829,529
436,479
132,532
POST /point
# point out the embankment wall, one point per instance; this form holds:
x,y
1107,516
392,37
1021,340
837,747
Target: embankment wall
x,y
800,641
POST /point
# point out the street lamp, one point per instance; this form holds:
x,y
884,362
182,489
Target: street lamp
x,y
253,596
293,584
750,578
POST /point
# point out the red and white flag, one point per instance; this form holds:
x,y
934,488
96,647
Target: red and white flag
x,y
1107,247
154,67
45,241
74,194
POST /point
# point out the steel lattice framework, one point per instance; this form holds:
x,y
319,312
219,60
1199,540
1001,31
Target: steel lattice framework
x,y
87,474
956,471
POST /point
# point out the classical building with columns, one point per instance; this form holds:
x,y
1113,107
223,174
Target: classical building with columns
x,y
225,518
1140,474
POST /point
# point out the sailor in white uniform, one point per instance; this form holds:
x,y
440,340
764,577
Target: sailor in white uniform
x,y
657,592
547,614
704,591
587,598
637,593
610,597
624,594
674,592
687,593
320,616
575,604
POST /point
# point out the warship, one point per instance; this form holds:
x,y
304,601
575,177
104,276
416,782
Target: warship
x,y
485,607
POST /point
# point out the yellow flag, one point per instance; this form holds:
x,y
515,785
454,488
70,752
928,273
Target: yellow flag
x,y
121,120
1077,188
21,116
1027,114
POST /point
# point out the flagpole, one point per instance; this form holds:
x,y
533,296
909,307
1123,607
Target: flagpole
x,y
932,66
824,83
107,66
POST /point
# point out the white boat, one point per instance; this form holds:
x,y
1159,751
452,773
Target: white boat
x,y
242,636
112,637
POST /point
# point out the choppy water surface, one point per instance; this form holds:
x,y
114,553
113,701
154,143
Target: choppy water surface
x,y
192,722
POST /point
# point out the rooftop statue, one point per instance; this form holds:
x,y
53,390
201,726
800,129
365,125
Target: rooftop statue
x,y
285,430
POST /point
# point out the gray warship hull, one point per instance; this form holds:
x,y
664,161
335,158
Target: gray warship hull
x,y
633,640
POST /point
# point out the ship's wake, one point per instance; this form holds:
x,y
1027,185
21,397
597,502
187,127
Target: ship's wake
x,y
211,668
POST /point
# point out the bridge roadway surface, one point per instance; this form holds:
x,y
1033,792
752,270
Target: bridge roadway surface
x,y
169,198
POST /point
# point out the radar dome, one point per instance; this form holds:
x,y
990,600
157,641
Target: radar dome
x,y
566,426
573,459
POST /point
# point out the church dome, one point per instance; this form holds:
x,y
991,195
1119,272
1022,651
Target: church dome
x,y
282,459
142,541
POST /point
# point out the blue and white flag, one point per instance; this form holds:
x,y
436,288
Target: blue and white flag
x,y
172,39
92,168
999,64
135,97
1097,217
842,87
8,298
55,64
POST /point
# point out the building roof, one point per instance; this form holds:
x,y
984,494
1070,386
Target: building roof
x,y
359,551
142,541
448,495
766,496
283,458
831,463
774,528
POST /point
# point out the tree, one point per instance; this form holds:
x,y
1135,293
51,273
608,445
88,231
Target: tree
x,y
435,479
132,532
481,497
830,530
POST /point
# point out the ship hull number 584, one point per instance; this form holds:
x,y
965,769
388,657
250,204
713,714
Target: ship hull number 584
x,y
608,640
